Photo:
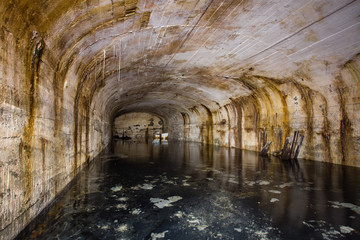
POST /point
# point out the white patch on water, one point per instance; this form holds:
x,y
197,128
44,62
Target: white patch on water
x,y
351,206
275,191
345,229
264,182
136,211
179,214
327,230
161,203
137,187
238,229
262,234
209,179
274,200
170,182
116,188
147,186
121,206
186,184
174,198
250,183
194,221
123,199
188,177
104,227
330,235
289,184
155,236
122,228
201,227
231,180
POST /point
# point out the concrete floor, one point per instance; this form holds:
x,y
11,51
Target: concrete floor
x,y
190,191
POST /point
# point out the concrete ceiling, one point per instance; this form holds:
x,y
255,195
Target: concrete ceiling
x,y
168,56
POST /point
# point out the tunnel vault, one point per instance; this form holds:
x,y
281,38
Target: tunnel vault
x,y
225,72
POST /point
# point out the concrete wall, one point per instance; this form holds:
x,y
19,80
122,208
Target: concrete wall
x,y
46,125
137,126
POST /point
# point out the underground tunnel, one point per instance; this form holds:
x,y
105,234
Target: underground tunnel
x,y
90,88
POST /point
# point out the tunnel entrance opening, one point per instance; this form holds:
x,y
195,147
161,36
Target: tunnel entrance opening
x,y
137,127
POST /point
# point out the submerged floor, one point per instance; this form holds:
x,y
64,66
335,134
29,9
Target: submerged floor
x,y
190,191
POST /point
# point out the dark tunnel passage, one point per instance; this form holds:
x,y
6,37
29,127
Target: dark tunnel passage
x,y
225,75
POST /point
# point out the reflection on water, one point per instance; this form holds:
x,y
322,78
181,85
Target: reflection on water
x,y
190,191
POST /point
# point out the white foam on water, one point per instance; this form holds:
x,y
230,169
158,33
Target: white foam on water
x,y
147,186
346,229
155,236
116,188
122,228
351,206
275,191
264,182
161,203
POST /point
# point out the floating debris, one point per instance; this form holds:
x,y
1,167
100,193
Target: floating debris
x,y
231,180
238,229
179,214
123,199
122,228
161,203
250,183
351,206
264,182
210,179
147,186
345,229
286,185
275,191
116,188
136,211
104,227
121,206
274,200
155,236
201,227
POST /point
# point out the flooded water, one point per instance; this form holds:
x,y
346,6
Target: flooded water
x,y
190,191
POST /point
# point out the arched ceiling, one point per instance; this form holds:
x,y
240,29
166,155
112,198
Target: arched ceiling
x,y
167,56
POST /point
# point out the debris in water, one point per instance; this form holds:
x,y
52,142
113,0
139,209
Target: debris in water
x,y
179,214
123,199
286,185
201,227
121,206
238,229
147,186
136,211
104,227
155,236
275,191
122,228
274,200
250,183
116,188
353,207
345,229
161,203
264,182
231,180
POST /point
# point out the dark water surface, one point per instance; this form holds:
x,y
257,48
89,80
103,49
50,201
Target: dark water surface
x,y
190,191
